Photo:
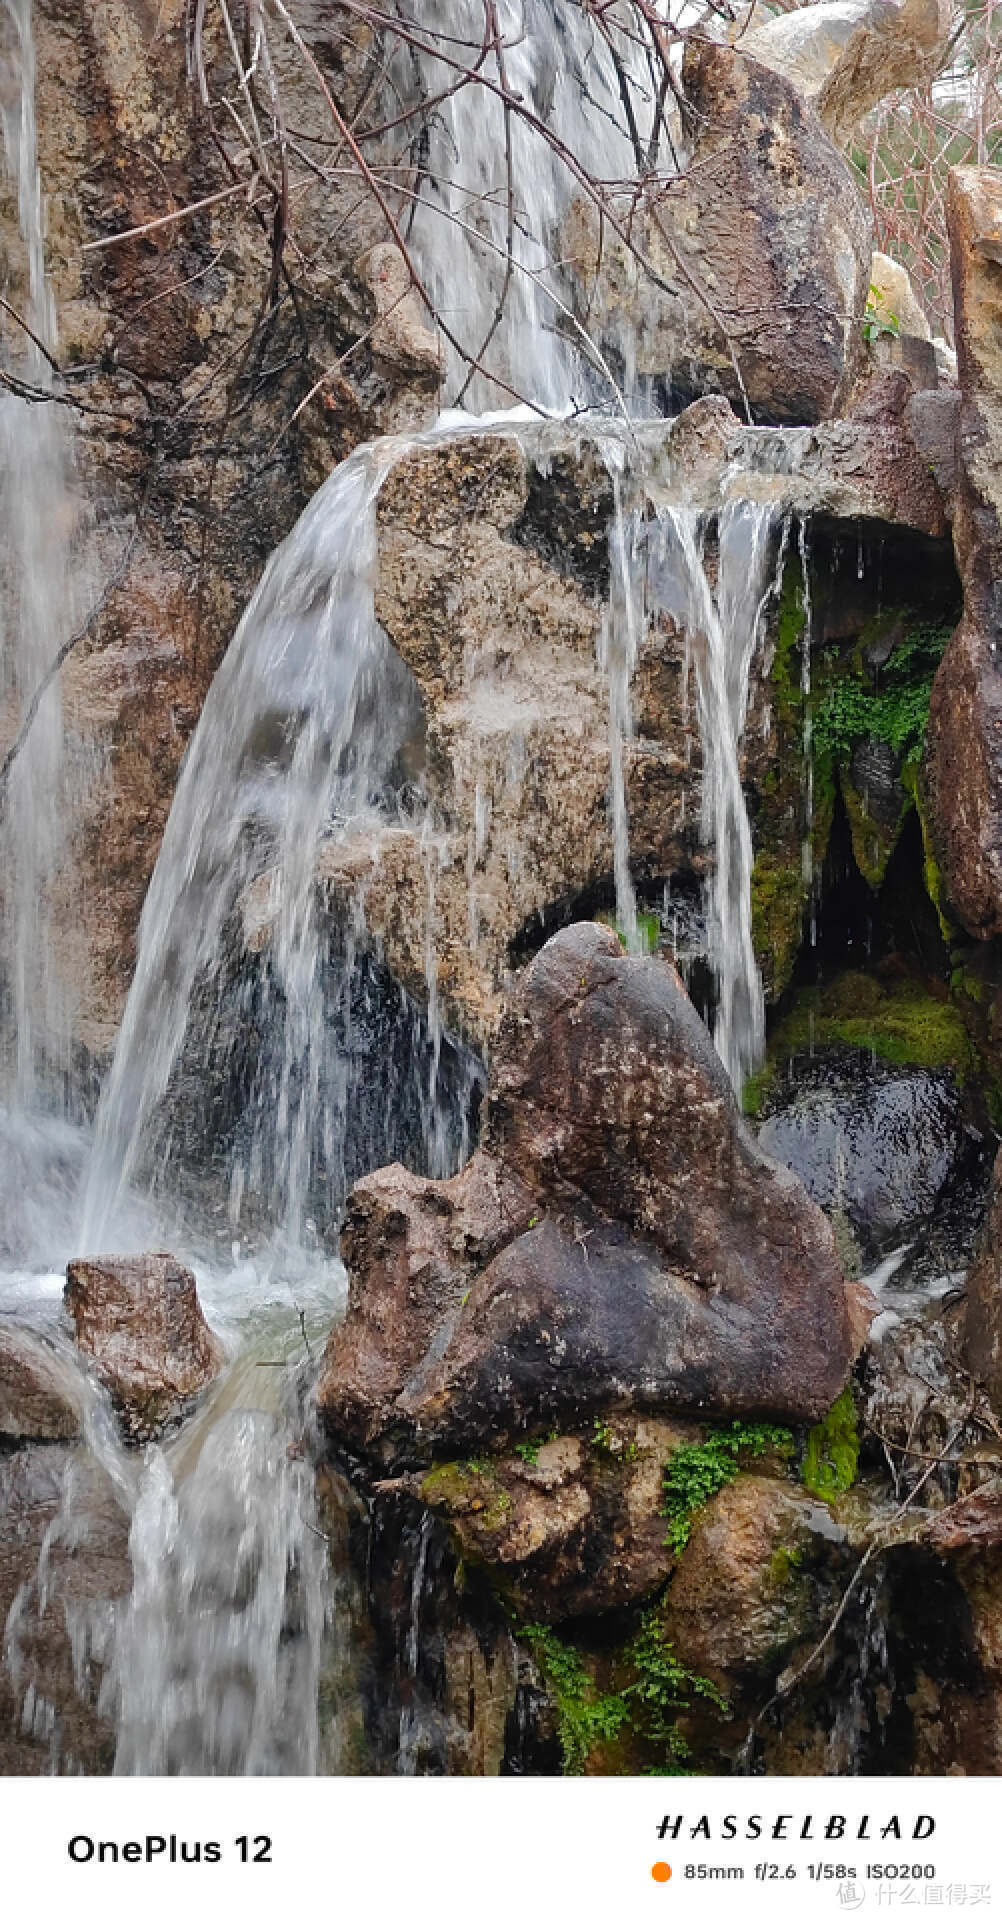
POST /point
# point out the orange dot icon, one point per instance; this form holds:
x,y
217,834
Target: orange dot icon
x,y
661,1870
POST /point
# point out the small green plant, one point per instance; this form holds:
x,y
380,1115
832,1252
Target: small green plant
x,y
896,711
662,1689
585,1717
877,316
646,1707
606,1441
832,1454
528,1450
699,1469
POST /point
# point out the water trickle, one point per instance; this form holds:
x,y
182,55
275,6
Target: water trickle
x,y
723,624
619,640
216,1652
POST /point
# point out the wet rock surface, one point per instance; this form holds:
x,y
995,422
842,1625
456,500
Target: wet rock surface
x,y
35,1403
617,1241
50,1719
138,1320
983,1319
887,1146
783,217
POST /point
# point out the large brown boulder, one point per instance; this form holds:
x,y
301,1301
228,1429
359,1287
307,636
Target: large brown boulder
x,y
755,262
964,757
618,1241
139,1320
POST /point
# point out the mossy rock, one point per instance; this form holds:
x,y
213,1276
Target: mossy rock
x,y
831,1457
903,1022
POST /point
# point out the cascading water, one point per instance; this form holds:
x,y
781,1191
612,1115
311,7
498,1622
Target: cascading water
x,y
494,196
40,596
723,624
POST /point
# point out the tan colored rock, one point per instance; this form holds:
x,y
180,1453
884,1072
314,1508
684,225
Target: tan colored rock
x,y
895,295
845,56
742,1595
36,1400
138,1320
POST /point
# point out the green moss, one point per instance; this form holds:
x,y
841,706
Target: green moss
x,y
648,930
586,1718
890,703
786,669
872,842
468,1487
778,898
699,1469
832,1454
784,1563
901,1022
931,874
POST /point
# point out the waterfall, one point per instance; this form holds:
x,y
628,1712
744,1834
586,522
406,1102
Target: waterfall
x,y
495,194
38,604
723,625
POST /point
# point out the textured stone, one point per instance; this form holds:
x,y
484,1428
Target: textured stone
x,y
618,1240
35,1400
983,1313
761,254
964,751
845,56
743,1595
139,1321
572,1528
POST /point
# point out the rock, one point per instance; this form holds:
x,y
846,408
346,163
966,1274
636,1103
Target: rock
x,y
761,253
983,1315
894,291
743,1592
175,517
50,1718
618,1241
845,56
401,335
964,744
974,1522
139,1321
573,1526
883,1144
932,420
36,1399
